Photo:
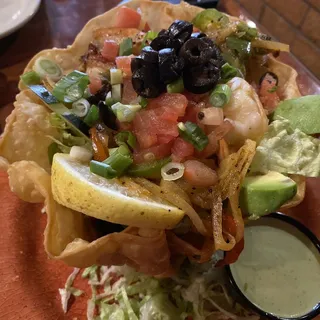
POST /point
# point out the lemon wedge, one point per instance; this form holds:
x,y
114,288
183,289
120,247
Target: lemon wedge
x,y
120,200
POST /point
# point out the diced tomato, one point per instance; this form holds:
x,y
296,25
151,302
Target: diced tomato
x,y
124,63
268,93
181,149
95,84
145,139
211,148
128,93
164,138
156,152
110,50
198,174
191,113
195,29
159,119
171,102
146,27
124,126
127,18
149,121
95,79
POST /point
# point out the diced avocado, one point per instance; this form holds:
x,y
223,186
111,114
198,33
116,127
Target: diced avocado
x,y
264,194
303,113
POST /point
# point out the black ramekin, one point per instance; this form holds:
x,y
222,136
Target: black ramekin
x,y
241,298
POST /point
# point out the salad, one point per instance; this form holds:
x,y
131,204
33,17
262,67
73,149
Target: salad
x,y
151,140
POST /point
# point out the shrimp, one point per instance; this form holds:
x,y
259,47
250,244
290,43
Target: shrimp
x,y
245,112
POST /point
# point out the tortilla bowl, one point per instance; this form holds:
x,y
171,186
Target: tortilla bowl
x,y
71,236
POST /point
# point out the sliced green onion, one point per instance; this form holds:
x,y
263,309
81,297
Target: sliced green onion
x,y
74,123
220,95
148,37
71,87
172,171
81,107
102,169
30,77
92,116
120,160
47,68
143,102
112,150
125,112
242,47
126,47
52,150
210,19
176,86
116,92
109,100
115,76
192,133
247,32
126,138
228,72
149,170
87,94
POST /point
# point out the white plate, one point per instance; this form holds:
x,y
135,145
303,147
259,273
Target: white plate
x,y
15,13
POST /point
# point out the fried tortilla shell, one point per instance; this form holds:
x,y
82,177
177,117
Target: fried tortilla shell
x,y
69,235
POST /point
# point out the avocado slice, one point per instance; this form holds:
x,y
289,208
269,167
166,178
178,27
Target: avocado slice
x,y
303,113
263,194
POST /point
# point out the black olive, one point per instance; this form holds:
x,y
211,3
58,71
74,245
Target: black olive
x,y
208,41
149,55
196,52
180,29
136,64
101,94
215,52
165,41
201,78
163,32
146,81
271,74
107,116
198,35
170,65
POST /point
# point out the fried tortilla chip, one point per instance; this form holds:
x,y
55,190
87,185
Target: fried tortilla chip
x,y
298,198
233,169
69,235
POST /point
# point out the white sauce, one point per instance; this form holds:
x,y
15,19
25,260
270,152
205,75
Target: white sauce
x,y
279,269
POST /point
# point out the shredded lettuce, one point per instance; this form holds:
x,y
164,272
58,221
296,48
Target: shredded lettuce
x,y
121,293
67,138
68,290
